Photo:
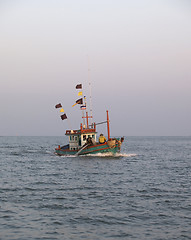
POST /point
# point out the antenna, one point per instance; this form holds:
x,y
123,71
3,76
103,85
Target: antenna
x,y
90,88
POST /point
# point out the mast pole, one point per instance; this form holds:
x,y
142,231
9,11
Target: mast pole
x,y
83,113
87,119
108,129
83,118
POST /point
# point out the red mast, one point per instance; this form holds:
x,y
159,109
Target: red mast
x,y
108,130
87,119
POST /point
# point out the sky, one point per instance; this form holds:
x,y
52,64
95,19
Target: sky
x,y
136,55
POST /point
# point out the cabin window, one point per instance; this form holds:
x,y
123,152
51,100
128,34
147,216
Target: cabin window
x,y
70,138
93,136
89,136
76,139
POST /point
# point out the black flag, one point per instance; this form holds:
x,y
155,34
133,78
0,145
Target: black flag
x,y
79,86
79,101
63,116
58,105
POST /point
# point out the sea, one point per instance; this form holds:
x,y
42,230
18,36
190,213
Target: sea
x,y
142,193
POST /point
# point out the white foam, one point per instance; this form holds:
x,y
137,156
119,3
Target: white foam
x,y
126,155
67,156
100,155
48,151
111,155
32,151
108,154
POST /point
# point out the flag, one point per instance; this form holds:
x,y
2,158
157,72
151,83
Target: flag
x,y
79,86
79,101
63,116
83,107
61,110
58,105
80,93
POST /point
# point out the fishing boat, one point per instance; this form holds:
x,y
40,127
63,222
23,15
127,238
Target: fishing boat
x,y
84,140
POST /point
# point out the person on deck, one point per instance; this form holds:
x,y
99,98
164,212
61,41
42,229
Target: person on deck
x,y
102,139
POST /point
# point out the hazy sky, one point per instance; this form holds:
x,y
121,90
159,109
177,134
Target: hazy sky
x,y
140,65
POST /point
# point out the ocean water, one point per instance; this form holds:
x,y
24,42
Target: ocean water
x,y
142,193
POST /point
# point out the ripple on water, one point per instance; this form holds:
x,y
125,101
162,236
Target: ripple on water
x,y
141,193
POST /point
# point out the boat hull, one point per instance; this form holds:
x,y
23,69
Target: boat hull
x,y
93,149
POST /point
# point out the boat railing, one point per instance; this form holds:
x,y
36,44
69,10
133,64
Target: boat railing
x,y
72,131
88,130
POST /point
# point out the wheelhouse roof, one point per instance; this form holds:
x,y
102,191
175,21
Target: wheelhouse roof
x,y
80,132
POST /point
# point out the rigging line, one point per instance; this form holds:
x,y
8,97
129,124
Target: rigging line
x,y
90,89
69,123
82,109
101,123
83,112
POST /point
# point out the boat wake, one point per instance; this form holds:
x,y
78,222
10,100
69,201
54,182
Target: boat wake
x,y
126,154
101,155
117,155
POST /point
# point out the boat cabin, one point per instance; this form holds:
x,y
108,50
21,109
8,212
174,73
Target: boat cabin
x,y
77,138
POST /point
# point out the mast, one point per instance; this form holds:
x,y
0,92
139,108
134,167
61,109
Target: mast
x,y
83,118
108,129
87,119
87,122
